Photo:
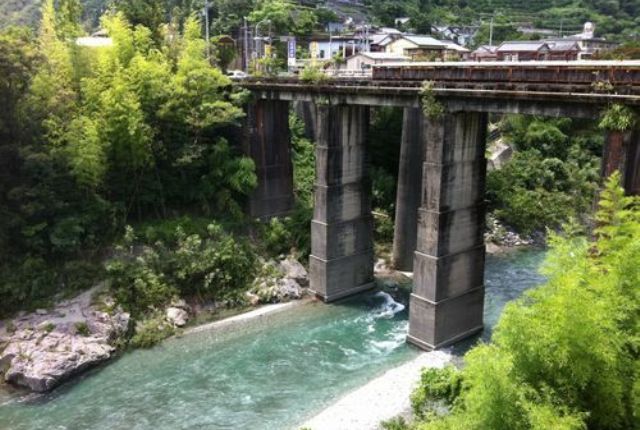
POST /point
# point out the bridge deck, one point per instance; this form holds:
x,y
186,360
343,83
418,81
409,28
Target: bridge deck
x,y
589,82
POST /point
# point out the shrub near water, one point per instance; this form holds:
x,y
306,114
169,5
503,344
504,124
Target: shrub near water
x,y
214,266
566,355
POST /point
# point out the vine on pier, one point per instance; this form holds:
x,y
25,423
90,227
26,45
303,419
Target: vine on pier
x,y
431,107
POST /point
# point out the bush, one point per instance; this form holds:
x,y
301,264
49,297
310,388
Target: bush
x,y
210,267
213,267
437,387
565,355
397,423
532,192
552,177
313,75
138,283
35,282
82,329
290,234
151,331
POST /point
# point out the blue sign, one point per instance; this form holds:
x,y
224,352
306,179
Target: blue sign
x,y
292,47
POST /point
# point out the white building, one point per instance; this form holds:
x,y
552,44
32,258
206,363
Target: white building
x,y
363,61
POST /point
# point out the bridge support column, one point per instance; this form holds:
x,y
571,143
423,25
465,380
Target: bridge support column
x,y
341,261
268,144
306,111
448,294
408,194
622,152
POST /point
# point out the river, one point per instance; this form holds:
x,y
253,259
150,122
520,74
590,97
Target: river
x,y
271,373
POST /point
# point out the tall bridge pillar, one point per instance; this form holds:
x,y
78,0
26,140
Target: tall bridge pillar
x,y
622,152
408,199
448,293
268,144
341,260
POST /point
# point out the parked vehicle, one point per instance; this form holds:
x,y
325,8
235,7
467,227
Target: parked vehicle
x,y
237,74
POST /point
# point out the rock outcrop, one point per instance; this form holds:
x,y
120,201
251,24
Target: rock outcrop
x,y
279,282
178,317
41,350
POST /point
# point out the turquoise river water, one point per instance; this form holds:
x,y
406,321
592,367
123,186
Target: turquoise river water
x,y
272,373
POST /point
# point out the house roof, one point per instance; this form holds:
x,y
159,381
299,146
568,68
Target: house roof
x,y
522,46
455,47
380,39
423,40
382,56
486,49
563,45
389,30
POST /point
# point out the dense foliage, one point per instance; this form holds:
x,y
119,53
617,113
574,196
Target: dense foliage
x,y
211,266
92,138
567,354
613,19
552,177
292,234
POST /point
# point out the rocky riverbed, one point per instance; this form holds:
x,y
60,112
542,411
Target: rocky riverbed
x,y
42,349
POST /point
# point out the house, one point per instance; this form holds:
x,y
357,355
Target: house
x,y
484,53
522,50
453,51
587,42
462,35
419,47
416,46
365,60
563,50
325,49
379,42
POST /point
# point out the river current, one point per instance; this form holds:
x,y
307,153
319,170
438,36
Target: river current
x,y
270,373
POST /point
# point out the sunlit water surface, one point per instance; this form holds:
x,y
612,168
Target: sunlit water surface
x,y
269,374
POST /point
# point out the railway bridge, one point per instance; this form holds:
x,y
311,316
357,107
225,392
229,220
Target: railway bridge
x,y
440,208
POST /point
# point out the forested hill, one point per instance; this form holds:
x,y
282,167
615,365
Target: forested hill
x,y
27,12
615,19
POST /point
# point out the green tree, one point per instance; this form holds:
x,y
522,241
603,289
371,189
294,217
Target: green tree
x,y
566,354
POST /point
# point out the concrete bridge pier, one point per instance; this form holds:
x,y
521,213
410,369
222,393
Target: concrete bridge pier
x,y
268,143
341,260
448,293
622,152
408,195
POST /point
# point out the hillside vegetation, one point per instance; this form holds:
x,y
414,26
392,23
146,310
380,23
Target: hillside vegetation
x,y
615,19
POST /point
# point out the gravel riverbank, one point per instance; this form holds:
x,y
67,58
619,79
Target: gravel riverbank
x,y
381,399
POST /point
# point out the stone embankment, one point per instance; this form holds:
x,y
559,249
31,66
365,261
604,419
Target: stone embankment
x,y
42,349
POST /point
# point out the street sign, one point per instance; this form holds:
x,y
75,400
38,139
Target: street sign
x,y
291,49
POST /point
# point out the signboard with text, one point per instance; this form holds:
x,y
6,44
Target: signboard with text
x,y
291,49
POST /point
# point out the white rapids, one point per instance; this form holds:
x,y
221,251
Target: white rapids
x,y
389,307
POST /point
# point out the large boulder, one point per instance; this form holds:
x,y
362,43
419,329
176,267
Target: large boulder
x,y
178,317
45,348
42,361
292,269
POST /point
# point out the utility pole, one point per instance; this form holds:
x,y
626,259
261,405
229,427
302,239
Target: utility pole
x,y
491,32
206,28
245,46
